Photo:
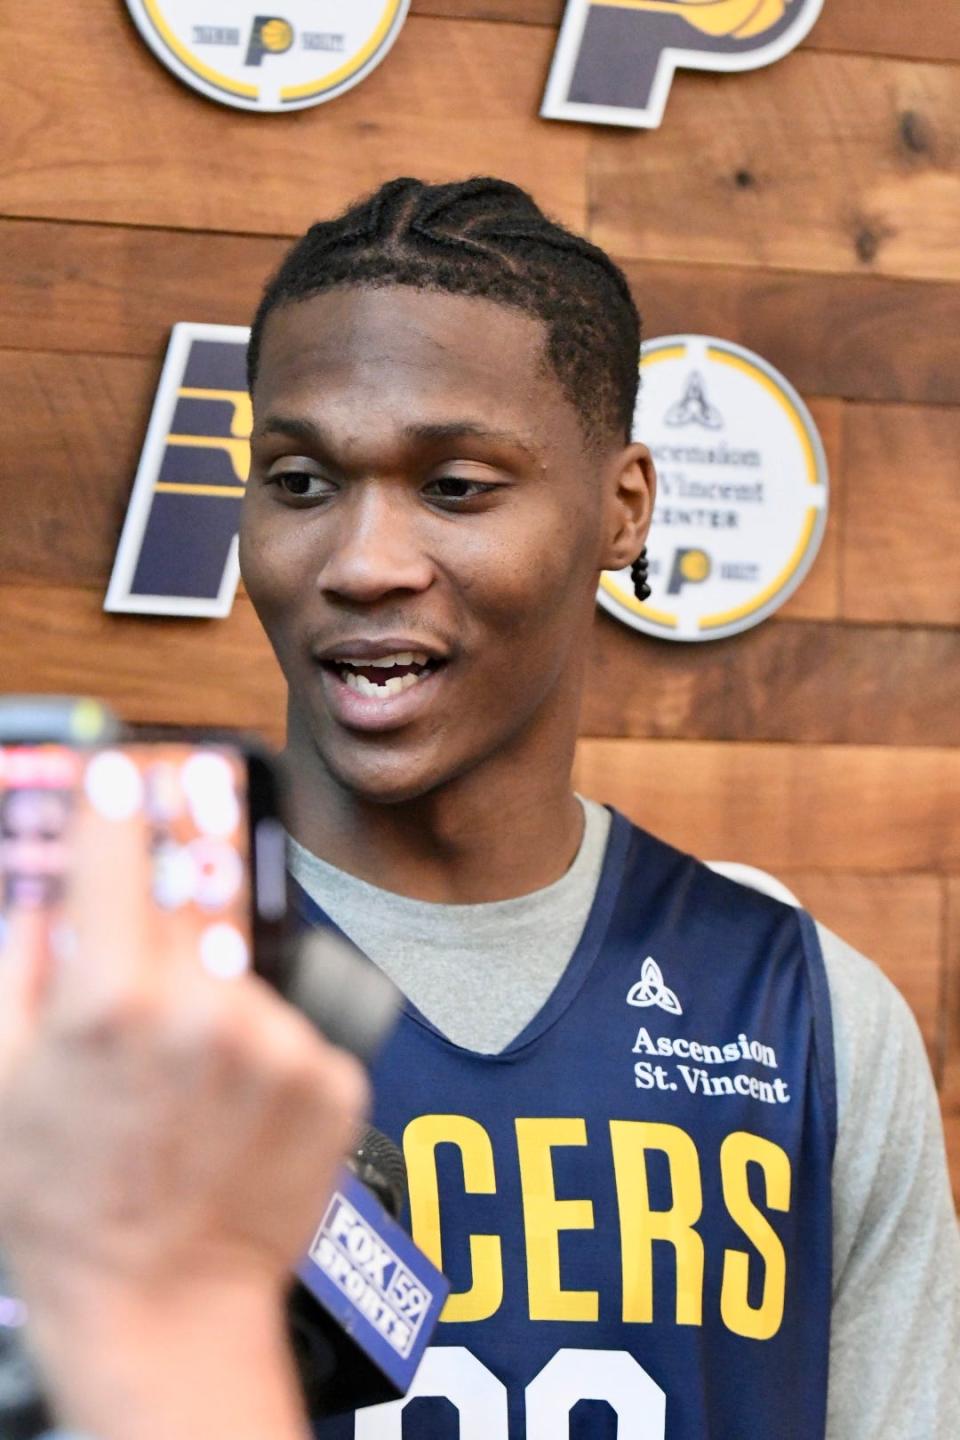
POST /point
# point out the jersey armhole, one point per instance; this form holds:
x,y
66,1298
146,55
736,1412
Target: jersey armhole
x,y
823,1037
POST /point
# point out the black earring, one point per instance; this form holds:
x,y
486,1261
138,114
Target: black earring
x,y
639,571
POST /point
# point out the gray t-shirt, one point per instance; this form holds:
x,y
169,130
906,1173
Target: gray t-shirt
x,y
480,973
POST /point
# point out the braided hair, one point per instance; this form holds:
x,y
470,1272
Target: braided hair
x,y
483,237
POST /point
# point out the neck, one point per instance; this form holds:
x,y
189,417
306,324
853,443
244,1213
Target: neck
x,y
505,828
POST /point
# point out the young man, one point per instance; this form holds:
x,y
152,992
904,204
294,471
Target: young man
x,y
676,1146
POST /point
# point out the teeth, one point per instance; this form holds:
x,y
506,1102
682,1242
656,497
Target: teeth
x,y
406,657
394,686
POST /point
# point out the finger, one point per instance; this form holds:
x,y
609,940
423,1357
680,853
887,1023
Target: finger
x,y
24,973
106,919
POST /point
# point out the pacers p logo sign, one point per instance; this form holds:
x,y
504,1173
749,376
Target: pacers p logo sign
x,y
615,59
178,550
270,35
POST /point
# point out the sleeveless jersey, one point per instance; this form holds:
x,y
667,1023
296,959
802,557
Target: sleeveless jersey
x,y
632,1200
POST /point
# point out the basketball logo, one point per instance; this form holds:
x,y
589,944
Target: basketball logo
x,y
737,19
178,550
302,54
615,59
269,35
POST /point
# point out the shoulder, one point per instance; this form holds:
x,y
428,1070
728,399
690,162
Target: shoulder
x,y
877,1041
896,1255
707,891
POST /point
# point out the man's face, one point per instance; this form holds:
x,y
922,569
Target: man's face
x,y
422,532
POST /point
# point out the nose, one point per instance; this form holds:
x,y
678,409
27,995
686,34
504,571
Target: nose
x,y
375,547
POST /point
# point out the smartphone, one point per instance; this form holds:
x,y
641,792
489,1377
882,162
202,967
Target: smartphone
x,y
206,806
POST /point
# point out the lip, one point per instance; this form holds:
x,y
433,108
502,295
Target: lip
x,y
370,713
378,649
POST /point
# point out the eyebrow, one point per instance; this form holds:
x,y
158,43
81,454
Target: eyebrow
x,y
464,429
289,425
311,434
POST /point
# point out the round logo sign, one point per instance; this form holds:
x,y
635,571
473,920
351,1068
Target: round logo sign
x,y
242,55
742,494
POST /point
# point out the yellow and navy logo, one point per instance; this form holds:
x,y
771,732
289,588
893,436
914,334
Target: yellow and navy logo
x,y
742,491
615,59
178,549
254,59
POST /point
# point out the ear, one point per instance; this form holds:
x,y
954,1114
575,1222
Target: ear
x,y
631,489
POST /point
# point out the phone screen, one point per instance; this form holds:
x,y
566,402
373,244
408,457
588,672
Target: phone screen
x,y
188,803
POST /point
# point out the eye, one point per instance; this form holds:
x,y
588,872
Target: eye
x,y
300,484
456,488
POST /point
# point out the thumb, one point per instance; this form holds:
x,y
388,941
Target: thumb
x,y
25,961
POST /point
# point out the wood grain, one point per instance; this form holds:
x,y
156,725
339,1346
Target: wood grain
x,y
950,1090
451,100
951,1127
896,920
187,672
518,12
117,289
889,27
787,681
107,289
71,429
886,27
862,337
902,499
786,807
822,162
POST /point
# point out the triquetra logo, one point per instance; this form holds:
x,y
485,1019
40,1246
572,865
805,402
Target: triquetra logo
x,y
651,989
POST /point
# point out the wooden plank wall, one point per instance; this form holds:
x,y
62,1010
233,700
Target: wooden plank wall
x,y
810,210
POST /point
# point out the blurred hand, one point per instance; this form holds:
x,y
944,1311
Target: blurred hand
x,y
168,1140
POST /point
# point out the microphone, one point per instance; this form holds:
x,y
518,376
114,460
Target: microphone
x,y
366,1301
24,1412
381,1166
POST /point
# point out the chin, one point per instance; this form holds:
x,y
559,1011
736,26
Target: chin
x,y
384,779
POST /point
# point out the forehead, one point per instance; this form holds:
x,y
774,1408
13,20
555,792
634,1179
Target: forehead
x,y
423,351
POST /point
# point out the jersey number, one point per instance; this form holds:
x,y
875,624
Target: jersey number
x,y
481,1399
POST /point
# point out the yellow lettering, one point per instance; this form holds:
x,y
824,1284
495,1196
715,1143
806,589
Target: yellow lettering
x,y
420,1141
242,422
544,1216
736,1153
640,1226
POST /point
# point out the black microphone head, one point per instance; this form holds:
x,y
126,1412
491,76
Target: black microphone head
x,y
379,1163
24,1411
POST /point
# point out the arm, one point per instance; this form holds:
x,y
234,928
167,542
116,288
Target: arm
x,y
895,1337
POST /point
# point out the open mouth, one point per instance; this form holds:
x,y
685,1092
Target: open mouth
x,y
385,676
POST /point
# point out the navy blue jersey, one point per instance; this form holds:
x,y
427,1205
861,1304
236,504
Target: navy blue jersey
x,y
632,1201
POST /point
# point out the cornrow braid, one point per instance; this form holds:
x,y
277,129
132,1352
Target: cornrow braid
x,y
482,237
